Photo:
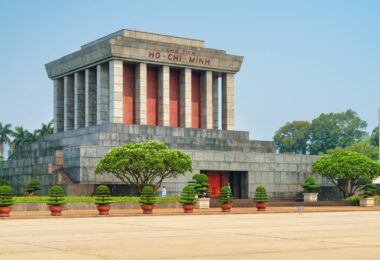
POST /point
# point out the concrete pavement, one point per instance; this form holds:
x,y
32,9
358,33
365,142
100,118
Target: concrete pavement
x,y
327,235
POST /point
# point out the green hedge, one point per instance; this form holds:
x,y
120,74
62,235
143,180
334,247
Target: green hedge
x,y
68,199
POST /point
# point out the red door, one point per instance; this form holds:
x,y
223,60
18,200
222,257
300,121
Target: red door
x,y
195,100
174,98
213,184
152,100
128,94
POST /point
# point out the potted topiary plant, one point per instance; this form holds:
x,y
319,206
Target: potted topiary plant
x,y
6,200
225,199
200,184
103,199
188,199
56,200
261,198
32,187
147,200
309,190
368,193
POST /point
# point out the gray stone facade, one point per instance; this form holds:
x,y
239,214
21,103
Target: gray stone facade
x,y
210,150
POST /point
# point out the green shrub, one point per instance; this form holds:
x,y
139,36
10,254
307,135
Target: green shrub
x,y
368,190
200,184
33,186
102,195
188,195
310,185
4,182
56,196
6,196
261,195
148,197
225,195
353,198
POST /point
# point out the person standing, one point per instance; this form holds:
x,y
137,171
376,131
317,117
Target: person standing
x,y
163,191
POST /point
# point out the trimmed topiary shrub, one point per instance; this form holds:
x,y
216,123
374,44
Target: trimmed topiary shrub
x,y
225,195
148,197
261,195
188,195
6,196
103,195
368,190
56,196
33,187
310,185
200,184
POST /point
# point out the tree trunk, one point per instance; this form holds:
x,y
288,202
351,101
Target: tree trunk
x,y
1,150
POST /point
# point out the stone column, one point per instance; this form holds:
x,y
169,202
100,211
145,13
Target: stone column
x,y
185,97
102,93
163,96
90,97
206,100
228,96
58,105
141,91
79,100
68,86
116,91
215,90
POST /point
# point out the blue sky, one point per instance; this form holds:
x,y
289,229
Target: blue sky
x,y
301,58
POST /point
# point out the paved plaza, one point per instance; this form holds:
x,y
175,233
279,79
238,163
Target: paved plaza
x,y
328,235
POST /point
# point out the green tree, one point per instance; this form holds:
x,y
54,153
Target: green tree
x,y
21,136
5,134
363,147
374,138
347,170
292,137
329,131
144,164
46,129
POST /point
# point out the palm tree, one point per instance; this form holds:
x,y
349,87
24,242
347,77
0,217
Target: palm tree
x,y
5,133
46,129
21,136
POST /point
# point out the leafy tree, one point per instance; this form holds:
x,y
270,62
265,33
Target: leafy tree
x,y
347,170
363,147
33,186
56,196
329,131
369,190
374,138
6,196
144,164
5,134
292,137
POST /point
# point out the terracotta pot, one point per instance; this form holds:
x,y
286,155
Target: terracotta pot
x,y
4,211
55,210
147,208
188,208
103,209
261,206
226,207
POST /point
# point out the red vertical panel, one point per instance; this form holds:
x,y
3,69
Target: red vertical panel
x,y
128,94
174,98
214,183
195,100
152,97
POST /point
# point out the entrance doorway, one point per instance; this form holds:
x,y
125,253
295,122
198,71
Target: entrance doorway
x,y
237,180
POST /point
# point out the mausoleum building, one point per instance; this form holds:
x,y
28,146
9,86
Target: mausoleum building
x,y
134,86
